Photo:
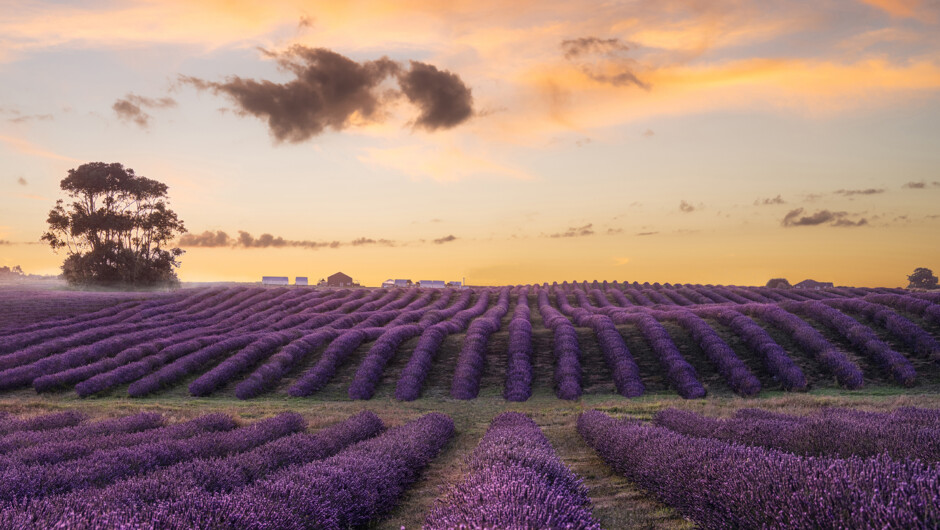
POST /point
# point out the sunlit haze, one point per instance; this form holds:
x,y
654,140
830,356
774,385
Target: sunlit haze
x,y
723,142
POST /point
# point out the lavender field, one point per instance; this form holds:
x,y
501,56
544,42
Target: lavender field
x,y
573,405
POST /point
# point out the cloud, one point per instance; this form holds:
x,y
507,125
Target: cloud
x,y
440,161
576,231
648,133
603,60
443,98
614,231
769,202
821,217
206,239
369,241
32,117
574,48
21,181
4,242
28,148
921,185
331,91
646,233
445,239
849,193
221,239
130,108
686,207
622,261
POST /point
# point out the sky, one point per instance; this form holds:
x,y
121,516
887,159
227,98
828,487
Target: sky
x,y
704,142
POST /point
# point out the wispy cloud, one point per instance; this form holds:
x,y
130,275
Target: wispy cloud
x,y
770,202
445,239
821,217
130,108
686,207
27,148
576,231
920,185
21,181
850,193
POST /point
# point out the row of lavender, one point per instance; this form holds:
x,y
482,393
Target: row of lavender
x,y
211,473
841,469
257,337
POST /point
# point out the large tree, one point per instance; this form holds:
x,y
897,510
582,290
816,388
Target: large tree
x,y
117,229
922,278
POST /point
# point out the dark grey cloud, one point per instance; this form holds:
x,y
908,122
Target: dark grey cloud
x,y
574,48
131,107
442,97
769,202
21,181
921,185
603,60
221,239
206,239
821,217
869,191
686,207
445,239
576,231
369,241
329,88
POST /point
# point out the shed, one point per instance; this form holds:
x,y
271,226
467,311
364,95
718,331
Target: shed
x,y
275,280
300,280
339,280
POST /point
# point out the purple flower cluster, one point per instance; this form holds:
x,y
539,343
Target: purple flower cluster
x,y
862,337
267,375
519,355
472,356
57,420
127,432
833,432
108,465
514,480
901,328
846,372
775,358
678,371
416,371
927,309
17,440
350,489
565,346
333,356
721,485
732,368
370,370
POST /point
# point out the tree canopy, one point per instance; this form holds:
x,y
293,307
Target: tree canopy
x,y
116,229
923,278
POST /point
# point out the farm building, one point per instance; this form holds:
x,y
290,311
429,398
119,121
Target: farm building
x,y
432,284
339,280
813,284
300,280
388,284
275,280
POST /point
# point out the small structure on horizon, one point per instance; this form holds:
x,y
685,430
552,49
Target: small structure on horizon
x,y
275,280
300,280
339,280
813,284
432,284
388,284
